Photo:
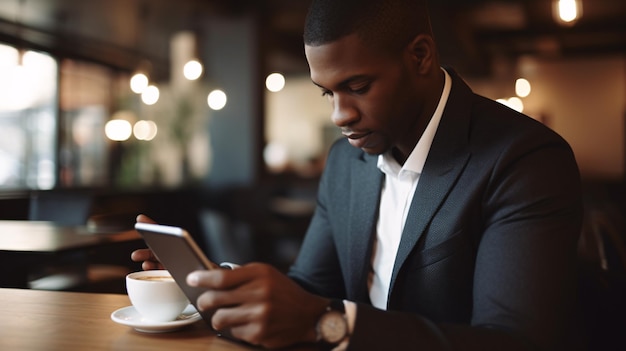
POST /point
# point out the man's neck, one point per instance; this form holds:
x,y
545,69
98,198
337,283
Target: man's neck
x,y
397,151
399,156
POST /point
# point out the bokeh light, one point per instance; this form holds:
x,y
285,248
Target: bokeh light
x,y
275,82
118,129
192,70
522,87
217,99
145,130
150,95
138,83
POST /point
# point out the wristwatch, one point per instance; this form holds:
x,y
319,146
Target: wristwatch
x,y
332,326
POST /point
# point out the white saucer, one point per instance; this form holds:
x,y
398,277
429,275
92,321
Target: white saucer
x,y
130,317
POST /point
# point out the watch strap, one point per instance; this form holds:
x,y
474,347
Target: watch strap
x,y
336,305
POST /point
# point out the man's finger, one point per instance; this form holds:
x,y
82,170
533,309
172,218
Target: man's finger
x,y
145,219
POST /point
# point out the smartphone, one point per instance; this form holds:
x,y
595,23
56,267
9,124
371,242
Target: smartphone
x,y
176,249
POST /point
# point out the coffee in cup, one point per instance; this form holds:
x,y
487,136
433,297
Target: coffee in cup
x,y
158,278
155,295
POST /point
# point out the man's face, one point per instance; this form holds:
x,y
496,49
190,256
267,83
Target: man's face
x,y
375,96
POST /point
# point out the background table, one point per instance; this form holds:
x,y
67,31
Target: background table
x,y
48,237
26,245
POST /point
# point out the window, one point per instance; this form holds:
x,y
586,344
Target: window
x,y
86,98
28,127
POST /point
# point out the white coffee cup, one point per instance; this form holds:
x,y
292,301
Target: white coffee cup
x,y
155,295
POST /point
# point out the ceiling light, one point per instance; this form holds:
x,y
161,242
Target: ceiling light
x,y
150,95
145,130
118,130
138,83
192,70
216,99
275,82
522,87
567,12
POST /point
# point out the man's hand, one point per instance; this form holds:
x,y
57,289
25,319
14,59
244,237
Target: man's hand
x,y
145,255
259,305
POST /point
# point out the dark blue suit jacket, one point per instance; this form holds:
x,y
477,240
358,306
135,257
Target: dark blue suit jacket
x,y
487,259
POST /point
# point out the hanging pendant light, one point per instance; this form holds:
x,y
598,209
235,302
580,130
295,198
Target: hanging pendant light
x,y
139,82
567,12
192,69
187,55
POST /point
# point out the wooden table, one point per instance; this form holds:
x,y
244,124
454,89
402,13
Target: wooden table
x,y
48,320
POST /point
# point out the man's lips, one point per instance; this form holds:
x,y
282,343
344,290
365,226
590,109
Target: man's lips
x,y
358,140
354,135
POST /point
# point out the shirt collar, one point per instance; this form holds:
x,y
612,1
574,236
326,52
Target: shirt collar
x,y
416,160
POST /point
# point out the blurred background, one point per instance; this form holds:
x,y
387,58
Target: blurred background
x,y
201,113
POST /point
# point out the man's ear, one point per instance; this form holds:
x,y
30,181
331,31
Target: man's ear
x,y
423,53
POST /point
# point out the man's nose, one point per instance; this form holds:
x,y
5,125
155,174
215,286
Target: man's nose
x,y
344,112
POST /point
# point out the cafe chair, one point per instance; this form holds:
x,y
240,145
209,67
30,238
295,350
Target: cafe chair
x,y
66,208
63,208
602,258
226,239
75,271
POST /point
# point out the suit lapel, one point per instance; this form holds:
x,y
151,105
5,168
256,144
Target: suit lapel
x,y
426,201
365,190
446,160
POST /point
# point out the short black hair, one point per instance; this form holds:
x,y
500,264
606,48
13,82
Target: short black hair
x,y
387,24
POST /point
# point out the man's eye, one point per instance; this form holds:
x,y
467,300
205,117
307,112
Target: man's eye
x,y
360,89
327,93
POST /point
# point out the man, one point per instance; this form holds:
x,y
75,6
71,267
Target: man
x,y
445,221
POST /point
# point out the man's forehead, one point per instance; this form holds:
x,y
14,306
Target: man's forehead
x,y
342,59
327,64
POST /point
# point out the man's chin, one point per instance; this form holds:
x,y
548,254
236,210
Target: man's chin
x,y
374,150
369,145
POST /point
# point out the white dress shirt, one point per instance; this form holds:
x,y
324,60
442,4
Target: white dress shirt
x,y
396,196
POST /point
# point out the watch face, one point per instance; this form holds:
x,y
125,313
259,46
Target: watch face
x,y
333,327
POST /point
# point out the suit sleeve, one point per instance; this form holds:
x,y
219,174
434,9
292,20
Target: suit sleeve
x,y
317,267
